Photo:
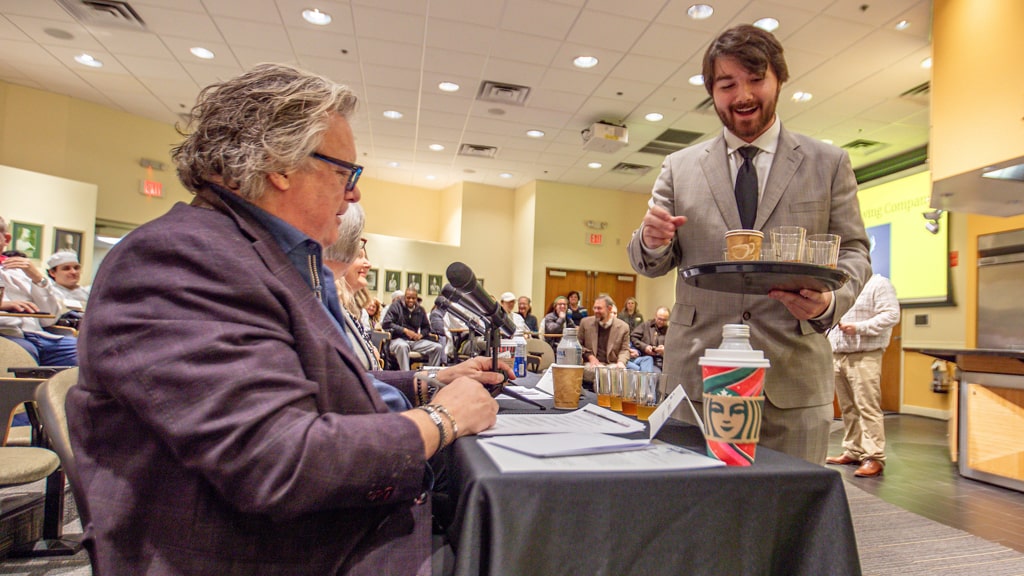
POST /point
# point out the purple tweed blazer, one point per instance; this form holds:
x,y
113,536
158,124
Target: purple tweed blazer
x,y
221,423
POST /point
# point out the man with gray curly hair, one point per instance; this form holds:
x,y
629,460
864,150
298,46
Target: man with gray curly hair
x,y
222,422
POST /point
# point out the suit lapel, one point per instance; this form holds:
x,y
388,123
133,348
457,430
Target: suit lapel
x,y
788,158
715,165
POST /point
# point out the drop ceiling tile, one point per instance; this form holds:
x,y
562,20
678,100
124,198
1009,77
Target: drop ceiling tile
x,y
598,29
540,18
388,25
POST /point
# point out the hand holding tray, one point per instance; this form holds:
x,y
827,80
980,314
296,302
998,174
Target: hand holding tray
x,y
743,277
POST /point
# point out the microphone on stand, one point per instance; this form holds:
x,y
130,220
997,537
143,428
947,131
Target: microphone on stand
x,y
471,320
471,295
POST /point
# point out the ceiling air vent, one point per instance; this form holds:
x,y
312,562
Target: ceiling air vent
x,y
631,169
104,13
862,146
920,93
477,151
670,141
511,94
706,106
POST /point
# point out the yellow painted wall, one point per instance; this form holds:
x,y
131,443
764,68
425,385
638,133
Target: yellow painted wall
x,y
408,211
61,136
977,91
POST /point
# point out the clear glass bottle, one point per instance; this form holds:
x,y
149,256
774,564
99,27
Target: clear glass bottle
x,y
569,350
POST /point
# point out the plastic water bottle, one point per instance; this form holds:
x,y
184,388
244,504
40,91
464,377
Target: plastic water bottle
x,y
519,359
569,350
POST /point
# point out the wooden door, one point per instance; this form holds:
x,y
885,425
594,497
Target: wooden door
x,y
589,283
891,363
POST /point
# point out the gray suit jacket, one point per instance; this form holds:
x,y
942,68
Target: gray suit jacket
x,y
811,184
223,425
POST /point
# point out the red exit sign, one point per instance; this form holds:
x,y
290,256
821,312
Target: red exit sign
x,y
595,239
152,188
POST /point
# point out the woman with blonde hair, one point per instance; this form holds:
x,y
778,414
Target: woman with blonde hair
x,y
346,258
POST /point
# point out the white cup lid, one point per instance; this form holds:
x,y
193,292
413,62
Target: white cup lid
x,y
737,358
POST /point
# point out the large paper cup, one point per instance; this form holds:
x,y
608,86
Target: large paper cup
x,y
733,403
568,384
743,244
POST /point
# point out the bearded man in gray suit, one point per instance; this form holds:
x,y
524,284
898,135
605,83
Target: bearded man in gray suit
x,y
800,181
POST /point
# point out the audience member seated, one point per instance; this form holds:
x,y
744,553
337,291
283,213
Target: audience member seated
x,y
409,326
439,329
508,302
346,259
27,290
222,423
373,312
649,339
65,271
577,312
604,338
526,311
556,320
630,315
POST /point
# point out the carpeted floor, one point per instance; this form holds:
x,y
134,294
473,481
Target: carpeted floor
x,y
891,542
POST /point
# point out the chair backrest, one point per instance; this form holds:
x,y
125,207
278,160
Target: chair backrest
x,y
538,347
50,398
13,356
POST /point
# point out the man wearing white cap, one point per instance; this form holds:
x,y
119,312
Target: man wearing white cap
x,y
29,291
508,302
65,270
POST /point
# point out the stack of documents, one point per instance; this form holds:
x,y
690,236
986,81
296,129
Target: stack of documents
x,y
584,441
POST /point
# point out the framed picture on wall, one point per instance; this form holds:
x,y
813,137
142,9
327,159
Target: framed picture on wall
x,y
371,279
434,284
414,281
68,240
392,280
27,238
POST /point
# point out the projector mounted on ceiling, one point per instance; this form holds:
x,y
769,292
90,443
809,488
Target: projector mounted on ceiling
x,y
604,137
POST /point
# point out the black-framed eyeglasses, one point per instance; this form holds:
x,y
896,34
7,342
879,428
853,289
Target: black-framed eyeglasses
x,y
353,170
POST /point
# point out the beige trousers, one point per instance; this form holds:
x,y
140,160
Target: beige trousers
x,y
859,388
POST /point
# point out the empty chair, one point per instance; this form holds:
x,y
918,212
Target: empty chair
x,y
537,348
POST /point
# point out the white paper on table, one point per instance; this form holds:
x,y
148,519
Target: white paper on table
x,y
566,444
531,393
656,457
588,419
546,382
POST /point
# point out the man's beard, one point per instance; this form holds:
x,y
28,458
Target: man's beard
x,y
749,128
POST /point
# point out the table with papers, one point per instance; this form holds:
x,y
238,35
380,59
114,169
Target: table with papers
x,y
627,513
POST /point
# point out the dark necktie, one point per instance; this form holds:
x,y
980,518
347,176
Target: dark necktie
x,y
746,187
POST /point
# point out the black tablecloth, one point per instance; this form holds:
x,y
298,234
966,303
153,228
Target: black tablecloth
x,y
780,516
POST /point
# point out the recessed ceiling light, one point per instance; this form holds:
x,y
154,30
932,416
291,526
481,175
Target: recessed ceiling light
x,y
436,147
700,11
696,80
903,25
585,62
314,16
392,114
200,52
504,175
654,117
431,177
448,87
393,164
594,165
87,60
767,24
535,133
926,63
802,96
